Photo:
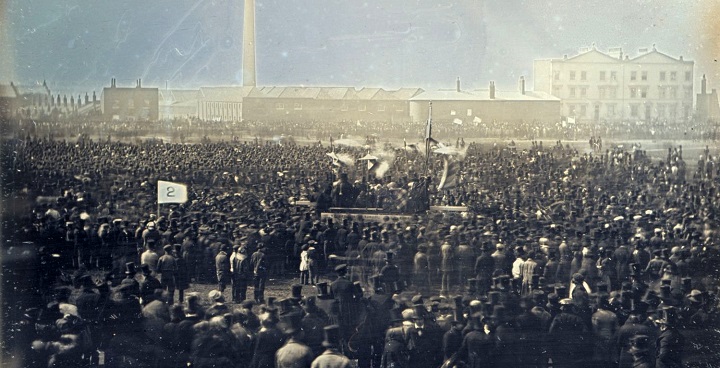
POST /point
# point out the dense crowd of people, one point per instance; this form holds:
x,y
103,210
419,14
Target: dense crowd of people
x,y
563,258
193,130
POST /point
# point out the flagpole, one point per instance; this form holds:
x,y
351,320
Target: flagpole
x,y
428,136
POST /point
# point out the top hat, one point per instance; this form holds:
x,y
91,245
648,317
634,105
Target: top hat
x,y
396,315
561,291
130,268
291,323
285,306
145,268
499,313
332,336
639,344
669,316
322,288
297,291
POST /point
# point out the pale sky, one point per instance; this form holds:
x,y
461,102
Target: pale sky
x,y
76,44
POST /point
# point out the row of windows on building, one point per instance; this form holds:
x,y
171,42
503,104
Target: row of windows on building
x,y
633,92
130,104
223,109
299,106
611,110
612,76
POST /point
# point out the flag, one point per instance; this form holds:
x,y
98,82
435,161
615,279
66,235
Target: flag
x,y
477,120
169,192
449,176
457,121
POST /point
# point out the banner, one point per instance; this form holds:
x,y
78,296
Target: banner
x,y
457,121
169,192
449,176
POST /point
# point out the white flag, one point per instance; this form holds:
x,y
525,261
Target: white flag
x,y
457,121
477,120
169,192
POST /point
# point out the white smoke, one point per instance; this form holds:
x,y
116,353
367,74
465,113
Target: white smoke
x,y
383,167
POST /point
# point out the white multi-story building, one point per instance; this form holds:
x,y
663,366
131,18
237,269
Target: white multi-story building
x,y
598,86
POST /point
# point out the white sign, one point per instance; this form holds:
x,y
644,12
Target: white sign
x,y
169,192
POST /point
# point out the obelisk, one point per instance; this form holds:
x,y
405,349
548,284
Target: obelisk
x,y
249,44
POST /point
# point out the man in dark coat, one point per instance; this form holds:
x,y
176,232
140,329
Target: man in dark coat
x,y
343,290
182,275
568,336
222,268
332,357
635,325
149,284
477,346
259,266
671,342
294,354
167,268
484,267
242,273
390,274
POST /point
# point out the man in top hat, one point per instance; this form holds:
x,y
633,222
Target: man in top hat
x,y
390,274
148,285
604,326
671,342
636,324
327,303
478,344
294,354
640,351
242,273
568,336
313,322
331,357
167,268
269,339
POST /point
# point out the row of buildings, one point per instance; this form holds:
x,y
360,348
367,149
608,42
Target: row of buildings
x,y
590,86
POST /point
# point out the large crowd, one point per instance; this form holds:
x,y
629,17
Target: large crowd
x,y
563,258
195,130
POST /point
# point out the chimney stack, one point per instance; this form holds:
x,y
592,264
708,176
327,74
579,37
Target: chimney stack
x,y
522,85
249,44
87,98
94,98
112,83
703,85
492,90
457,85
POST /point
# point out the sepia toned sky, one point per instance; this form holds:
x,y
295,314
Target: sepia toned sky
x,y
382,43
